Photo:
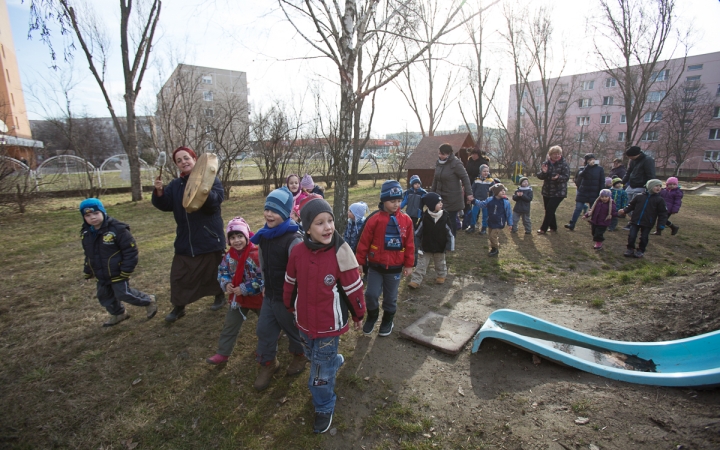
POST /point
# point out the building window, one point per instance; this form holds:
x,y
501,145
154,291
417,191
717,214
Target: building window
x,y
655,96
692,87
653,117
538,91
714,134
209,129
522,110
582,120
3,50
563,88
649,136
716,112
607,101
695,67
585,102
717,93
621,136
12,98
693,78
712,156
209,112
605,119
580,137
602,137
623,119
210,146
207,79
588,85
562,101
7,74
662,75
610,82
208,96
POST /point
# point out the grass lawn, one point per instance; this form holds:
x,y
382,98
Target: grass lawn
x,y
68,383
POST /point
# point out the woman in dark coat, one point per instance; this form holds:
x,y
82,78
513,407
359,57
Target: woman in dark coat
x,y
199,239
555,173
452,183
590,181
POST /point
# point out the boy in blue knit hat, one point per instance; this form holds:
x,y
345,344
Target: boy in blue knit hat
x,y
275,241
412,200
387,248
111,256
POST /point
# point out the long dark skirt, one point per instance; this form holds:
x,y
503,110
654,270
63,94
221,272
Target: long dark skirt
x,y
194,278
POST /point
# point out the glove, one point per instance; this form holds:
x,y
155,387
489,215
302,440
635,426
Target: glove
x,y
88,276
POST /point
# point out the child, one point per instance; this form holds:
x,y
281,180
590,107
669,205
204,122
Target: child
x,y
620,198
111,256
323,285
434,237
647,208
275,241
387,247
499,214
600,215
481,191
413,200
239,275
673,201
356,221
309,187
522,197
608,183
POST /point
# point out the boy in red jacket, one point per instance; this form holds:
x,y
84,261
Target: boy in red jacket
x,y
387,247
322,285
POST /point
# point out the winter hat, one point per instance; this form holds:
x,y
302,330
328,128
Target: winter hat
x,y
652,183
483,166
307,182
431,199
415,179
523,179
238,225
616,180
311,207
605,193
92,205
633,151
608,180
671,180
497,188
184,149
358,209
280,201
588,157
391,190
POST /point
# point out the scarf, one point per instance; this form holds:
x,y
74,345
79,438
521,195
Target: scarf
x,y
289,226
442,161
436,215
336,242
241,259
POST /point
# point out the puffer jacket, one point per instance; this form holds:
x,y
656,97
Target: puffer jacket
x,y
371,247
673,199
591,180
452,183
555,188
646,209
640,171
523,202
110,252
199,232
599,213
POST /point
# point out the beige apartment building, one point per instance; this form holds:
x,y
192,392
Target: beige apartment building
x,y
586,113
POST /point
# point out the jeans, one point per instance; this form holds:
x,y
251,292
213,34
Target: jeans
x,y
632,192
424,263
111,296
386,284
644,237
598,232
613,224
324,364
525,220
579,206
275,318
551,205
234,320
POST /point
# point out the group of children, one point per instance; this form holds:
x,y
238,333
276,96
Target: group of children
x,y
299,276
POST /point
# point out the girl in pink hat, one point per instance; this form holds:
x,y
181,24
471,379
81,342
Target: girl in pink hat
x,y
673,195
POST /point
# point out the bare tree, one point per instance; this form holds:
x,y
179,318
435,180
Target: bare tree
x,y
639,33
400,154
230,135
274,133
340,32
137,31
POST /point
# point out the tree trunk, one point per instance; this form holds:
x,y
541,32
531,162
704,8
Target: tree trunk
x,y
131,148
347,106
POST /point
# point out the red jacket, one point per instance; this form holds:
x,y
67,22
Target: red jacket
x,y
311,290
371,246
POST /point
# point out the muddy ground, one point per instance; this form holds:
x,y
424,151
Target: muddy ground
x,y
498,398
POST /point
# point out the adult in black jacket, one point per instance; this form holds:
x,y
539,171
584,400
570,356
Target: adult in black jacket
x,y
476,159
590,181
618,170
199,240
555,173
640,170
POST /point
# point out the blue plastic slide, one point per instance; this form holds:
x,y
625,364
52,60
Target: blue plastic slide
x,y
693,361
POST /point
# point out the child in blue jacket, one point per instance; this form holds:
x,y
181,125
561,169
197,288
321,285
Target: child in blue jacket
x,y
499,215
481,190
412,200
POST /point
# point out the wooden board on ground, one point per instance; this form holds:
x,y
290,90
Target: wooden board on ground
x,y
444,334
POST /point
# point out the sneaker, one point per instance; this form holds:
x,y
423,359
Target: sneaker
x,y
541,232
528,232
114,320
639,254
629,253
483,230
217,359
322,422
597,246
297,365
470,229
440,280
570,227
493,252
175,314
386,326
265,375
369,325
219,302
626,228
656,233
152,307
674,229
342,360
413,285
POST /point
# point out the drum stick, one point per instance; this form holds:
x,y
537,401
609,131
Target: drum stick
x,y
162,159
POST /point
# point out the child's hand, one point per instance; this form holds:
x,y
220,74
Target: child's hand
x,y
357,325
609,217
407,271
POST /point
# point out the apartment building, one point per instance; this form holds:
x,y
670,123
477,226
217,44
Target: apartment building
x,y
586,113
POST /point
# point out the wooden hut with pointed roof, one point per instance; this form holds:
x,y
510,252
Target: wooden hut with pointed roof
x,y
422,161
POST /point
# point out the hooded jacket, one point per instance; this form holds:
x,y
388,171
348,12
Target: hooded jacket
x,y
555,188
673,199
598,214
451,181
110,252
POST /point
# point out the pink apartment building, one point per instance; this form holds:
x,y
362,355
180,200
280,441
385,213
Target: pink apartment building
x,y
586,113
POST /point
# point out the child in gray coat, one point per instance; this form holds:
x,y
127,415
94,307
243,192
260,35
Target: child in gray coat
x,y
523,198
